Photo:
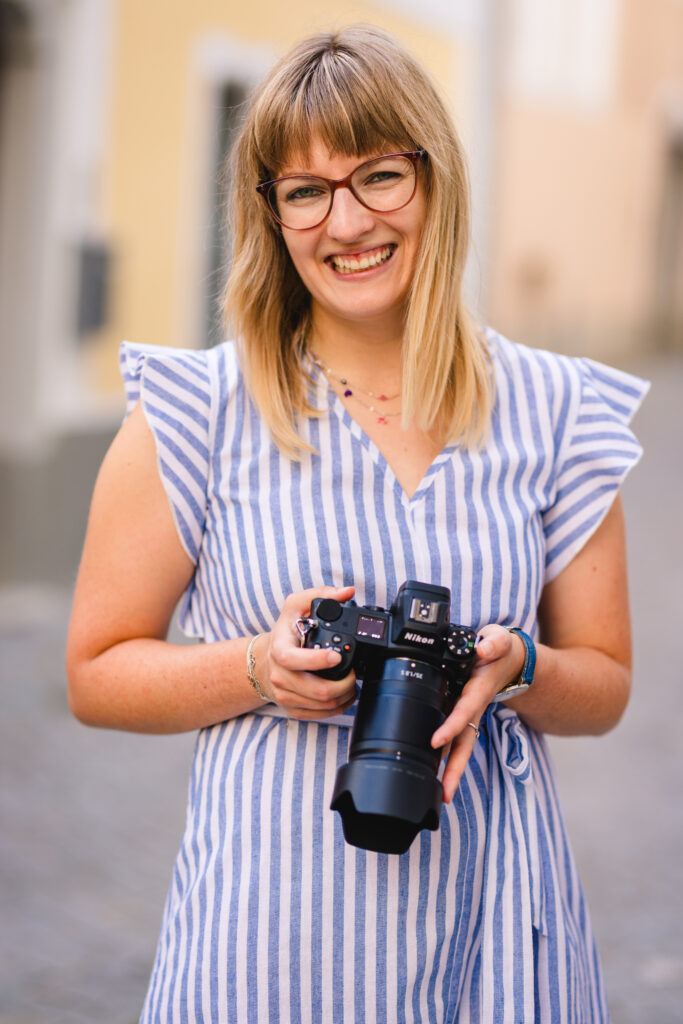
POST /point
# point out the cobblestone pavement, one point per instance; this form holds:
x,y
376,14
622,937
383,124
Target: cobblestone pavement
x,y
91,819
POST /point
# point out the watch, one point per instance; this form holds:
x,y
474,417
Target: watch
x,y
526,677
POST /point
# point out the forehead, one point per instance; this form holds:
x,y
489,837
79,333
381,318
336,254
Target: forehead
x,y
321,161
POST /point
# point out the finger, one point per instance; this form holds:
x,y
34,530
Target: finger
x,y
471,704
493,643
323,691
309,714
461,751
303,659
302,689
299,706
301,600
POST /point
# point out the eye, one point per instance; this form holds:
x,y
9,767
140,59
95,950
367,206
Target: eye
x,y
379,177
384,174
304,193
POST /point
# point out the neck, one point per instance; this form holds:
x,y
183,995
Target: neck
x,y
368,353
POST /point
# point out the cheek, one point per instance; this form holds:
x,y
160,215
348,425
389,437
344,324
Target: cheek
x,y
419,215
302,256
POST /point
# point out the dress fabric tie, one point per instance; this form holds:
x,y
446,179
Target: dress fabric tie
x,y
515,896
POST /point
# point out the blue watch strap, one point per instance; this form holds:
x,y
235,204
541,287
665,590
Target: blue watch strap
x,y
527,676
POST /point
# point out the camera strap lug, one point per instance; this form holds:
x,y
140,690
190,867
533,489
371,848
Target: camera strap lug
x,y
304,626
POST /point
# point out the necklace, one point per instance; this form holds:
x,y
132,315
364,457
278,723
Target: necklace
x,y
351,389
383,416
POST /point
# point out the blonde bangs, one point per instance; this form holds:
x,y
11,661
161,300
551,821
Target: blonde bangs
x,y
337,102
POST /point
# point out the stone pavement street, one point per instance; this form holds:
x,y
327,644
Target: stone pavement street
x,y
90,819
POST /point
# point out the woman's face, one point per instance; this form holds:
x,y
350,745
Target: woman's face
x,y
345,290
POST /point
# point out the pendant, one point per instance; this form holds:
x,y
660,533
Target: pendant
x,y
382,419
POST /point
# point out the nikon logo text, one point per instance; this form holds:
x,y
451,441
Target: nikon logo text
x,y
415,638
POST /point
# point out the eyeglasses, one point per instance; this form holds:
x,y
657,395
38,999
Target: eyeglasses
x,y
303,201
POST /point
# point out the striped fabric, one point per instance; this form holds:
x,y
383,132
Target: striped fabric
x,y
270,915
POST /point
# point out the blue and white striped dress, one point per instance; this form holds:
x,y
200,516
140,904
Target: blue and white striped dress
x,y
270,916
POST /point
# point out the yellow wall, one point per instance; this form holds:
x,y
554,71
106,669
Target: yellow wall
x,y
153,166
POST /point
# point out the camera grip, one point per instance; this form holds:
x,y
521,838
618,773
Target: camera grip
x,y
332,641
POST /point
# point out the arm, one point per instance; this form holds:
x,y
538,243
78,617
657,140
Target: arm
x,y
584,660
583,669
122,672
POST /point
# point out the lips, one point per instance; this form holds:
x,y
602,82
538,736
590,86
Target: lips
x,y
354,263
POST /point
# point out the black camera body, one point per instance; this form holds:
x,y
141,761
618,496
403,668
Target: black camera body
x,y
414,664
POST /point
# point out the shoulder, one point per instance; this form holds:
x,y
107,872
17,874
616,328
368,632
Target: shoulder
x,y
563,410
565,386
537,392
515,364
541,393
189,362
201,377
181,393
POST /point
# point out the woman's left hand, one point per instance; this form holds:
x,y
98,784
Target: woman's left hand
x,y
500,659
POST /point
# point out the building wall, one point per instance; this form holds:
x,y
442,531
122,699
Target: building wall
x,y
580,194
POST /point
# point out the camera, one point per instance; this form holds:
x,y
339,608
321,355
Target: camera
x,y
413,663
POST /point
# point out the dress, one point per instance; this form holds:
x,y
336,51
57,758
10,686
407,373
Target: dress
x,y
270,915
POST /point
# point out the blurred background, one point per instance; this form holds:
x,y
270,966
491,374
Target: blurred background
x,y
115,119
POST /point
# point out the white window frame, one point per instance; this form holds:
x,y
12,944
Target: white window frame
x,y
78,104
218,59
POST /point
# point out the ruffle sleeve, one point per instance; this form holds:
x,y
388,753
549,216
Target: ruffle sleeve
x,y
598,449
175,388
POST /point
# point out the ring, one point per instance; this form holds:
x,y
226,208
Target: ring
x,y
476,729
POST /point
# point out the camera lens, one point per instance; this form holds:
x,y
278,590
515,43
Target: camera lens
x,y
389,791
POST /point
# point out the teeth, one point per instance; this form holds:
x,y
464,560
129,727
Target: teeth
x,y
350,265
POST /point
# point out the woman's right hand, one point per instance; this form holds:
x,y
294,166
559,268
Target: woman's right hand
x,y
286,670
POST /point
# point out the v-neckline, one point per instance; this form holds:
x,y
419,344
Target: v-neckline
x,y
337,408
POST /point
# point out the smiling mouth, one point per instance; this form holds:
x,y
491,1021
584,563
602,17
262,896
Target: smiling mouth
x,y
365,261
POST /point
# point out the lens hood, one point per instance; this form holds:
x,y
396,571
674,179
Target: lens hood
x,y
384,803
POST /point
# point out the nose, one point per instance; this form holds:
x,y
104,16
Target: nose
x,y
348,219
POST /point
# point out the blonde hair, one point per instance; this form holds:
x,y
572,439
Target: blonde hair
x,y
359,92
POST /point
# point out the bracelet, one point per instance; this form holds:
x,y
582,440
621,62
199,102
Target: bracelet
x,y
251,667
529,666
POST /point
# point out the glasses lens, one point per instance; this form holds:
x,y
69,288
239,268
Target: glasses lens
x,y
385,184
300,202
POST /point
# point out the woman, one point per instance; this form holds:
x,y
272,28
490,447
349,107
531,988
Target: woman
x,y
361,432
